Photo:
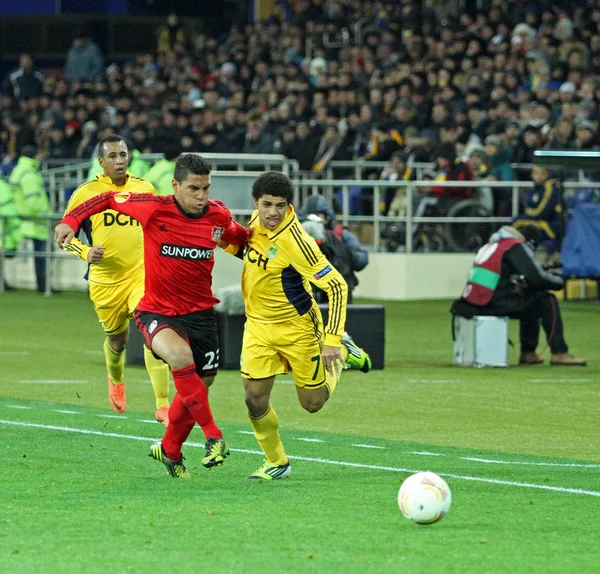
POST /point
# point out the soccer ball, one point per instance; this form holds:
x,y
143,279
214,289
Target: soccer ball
x,y
424,498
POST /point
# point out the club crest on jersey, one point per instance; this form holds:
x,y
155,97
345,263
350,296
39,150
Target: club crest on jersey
x,y
153,326
323,272
272,251
217,232
122,197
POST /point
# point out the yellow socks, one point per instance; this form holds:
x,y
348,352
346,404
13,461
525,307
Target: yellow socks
x,y
331,381
267,434
159,377
115,363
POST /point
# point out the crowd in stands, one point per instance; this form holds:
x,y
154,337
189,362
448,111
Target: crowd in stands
x,y
326,80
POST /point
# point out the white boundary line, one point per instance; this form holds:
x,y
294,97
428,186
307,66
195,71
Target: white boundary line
x,y
423,453
54,382
579,491
561,380
530,463
435,381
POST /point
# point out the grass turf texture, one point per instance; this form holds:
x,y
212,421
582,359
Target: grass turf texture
x,y
92,501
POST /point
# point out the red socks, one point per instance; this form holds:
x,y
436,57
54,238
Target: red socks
x,y
181,423
189,405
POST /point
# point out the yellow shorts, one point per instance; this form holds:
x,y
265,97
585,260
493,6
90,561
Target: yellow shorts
x,y
115,304
270,349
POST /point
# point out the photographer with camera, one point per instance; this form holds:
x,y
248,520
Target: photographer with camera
x,y
506,280
341,247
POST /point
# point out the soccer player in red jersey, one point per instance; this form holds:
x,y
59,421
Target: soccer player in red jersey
x,y
176,315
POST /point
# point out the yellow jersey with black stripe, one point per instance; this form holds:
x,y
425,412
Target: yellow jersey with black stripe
x,y
279,266
121,235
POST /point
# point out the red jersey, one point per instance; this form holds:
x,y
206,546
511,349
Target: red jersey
x,y
178,247
458,171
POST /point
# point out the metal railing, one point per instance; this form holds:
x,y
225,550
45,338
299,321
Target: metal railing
x,y
61,179
411,186
360,166
377,220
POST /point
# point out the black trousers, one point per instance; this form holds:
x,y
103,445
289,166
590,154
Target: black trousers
x,y
39,246
542,307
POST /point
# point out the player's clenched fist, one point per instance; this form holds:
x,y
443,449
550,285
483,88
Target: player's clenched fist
x,y
96,254
63,234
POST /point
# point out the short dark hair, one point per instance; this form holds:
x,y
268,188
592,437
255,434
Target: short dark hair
x,y
190,163
273,183
112,138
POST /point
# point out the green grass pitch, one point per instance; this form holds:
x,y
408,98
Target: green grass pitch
x,y
519,447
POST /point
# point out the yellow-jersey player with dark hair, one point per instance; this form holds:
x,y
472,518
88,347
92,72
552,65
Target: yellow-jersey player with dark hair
x,y
284,328
116,272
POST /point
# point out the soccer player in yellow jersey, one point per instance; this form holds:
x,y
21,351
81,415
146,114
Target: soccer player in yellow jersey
x,y
284,327
116,272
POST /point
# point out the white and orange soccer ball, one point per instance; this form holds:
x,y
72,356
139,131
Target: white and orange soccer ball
x,y
424,498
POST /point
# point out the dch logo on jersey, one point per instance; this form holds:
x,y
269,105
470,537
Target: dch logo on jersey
x,y
153,326
122,197
185,252
217,233
112,218
323,272
255,257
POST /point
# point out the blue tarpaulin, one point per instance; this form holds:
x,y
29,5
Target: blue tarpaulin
x,y
580,254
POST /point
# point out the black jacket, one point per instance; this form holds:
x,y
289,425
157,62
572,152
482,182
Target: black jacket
x,y
519,266
22,84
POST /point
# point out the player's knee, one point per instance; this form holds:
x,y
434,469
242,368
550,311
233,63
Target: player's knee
x,y
257,403
313,406
117,343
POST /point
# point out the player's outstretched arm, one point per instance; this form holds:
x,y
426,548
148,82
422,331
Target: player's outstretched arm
x,y
235,234
235,250
140,206
76,247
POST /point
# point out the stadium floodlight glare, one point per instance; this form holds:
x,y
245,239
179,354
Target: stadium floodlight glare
x,y
567,159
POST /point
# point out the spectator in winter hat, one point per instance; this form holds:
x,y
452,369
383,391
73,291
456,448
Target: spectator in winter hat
x,y
567,91
586,136
564,28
